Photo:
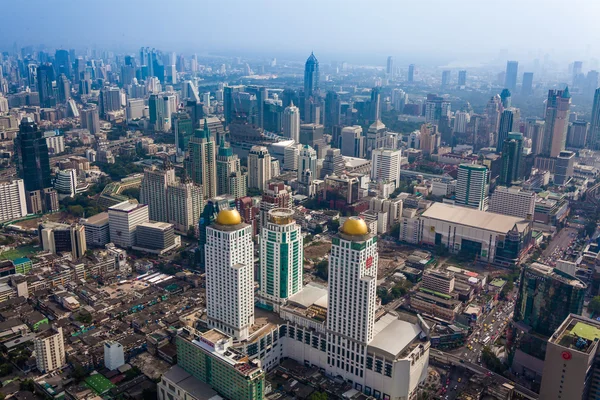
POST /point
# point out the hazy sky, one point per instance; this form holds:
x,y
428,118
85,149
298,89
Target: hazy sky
x,y
334,29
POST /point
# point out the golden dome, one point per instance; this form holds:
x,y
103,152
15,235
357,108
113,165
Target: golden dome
x,y
355,226
229,217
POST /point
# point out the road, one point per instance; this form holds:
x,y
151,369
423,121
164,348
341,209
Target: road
x,y
560,241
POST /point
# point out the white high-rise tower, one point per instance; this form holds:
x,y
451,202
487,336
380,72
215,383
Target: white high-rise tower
x,y
230,275
291,122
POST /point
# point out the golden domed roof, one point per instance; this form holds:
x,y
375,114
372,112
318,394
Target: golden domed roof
x,y
229,217
355,226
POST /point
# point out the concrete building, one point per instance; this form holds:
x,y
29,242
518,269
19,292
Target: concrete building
x,y
564,167
386,165
513,201
156,237
290,157
439,281
556,122
135,109
227,164
153,190
201,164
123,219
291,122
12,198
97,232
307,160
50,350
63,238
185,204
66,183
281,258
55,143
113,355
259,167
277,195
230,275
352,142
472,186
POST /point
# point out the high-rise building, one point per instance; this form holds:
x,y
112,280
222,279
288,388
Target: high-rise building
x,y
49,350
571,369
506,98
352,142
513,201
461,121
557,122
510,79
390,67
64,88
509,122
135,109
512,156
436,107
577,134
307,160
65,183
153,191
534,130
563,168
183,127
230,106
109,100
227,164
212,207
113,355
259,167
411,73
594,137
185,203
462,78
291,122
385,165
333,164
290,157
45,84
311,76
201,163
90,119
333,110
63,238
493,110
311,134
527,88
12,198
277,195
33,163
97,232
546,297
281,255
62,62
445,78
230,264
123,219
472,186
429,138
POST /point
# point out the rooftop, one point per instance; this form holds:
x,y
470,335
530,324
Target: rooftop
x,y
98,219
577,333
542,269
126,206
201,390
392,335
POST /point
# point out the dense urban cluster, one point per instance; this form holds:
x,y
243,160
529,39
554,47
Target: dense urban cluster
x,y
179,227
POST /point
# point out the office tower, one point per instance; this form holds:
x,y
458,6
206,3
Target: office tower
x,y
571,369
462,78
238,184
230,264
429,139
399,99
289,96
153,190
290,157
527,88
113,355
311,81
281,258
591,82
277,195
352,296
78,241
411,73
12,198
109,100
534,130
64,89
307,160
62,62
546,297
472,186
185,203
63,238
513,201
97,232
45,85
445,78
557,122
90,119
493,110
512,155
385,165
259,167
66,183
506,98
33,163
375,105
577,134
291,122
49,350
259,95
509,122
577,73
273,116
563,168
183,128
155,237
135,109
461,121
390,67
123,219
227,164
594,137
352,142
333,164
201,164
189,91
212,207
510,79
436,107
311,134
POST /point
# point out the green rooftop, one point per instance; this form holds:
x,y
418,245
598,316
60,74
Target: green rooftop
x,y
434,293
99,384
586,331
498,282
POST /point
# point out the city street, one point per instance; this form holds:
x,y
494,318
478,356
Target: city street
x,y
559,244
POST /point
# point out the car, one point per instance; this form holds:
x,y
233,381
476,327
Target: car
x,y
459,379
455,387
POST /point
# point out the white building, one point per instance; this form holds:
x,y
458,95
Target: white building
x,y
513,201
307,160
185,203
97,232
281,257
66,182
290,157
385,165
352,141
259,167
49,350
56,144
135,109
472,186
12,199
113,355
461,120
443,187
123,219
291,122
153,191
230,275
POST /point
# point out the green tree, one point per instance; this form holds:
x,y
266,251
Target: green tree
x,y
79,373
27,385
594,305
132,192
76,211
318,229
318,396
84,318
322,269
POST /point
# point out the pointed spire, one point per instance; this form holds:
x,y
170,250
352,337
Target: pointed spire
x,y
565,93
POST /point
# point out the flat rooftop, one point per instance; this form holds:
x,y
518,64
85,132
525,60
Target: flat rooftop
x,y
577,333
474,218
126,206
98,219
200,390
554,273
393,336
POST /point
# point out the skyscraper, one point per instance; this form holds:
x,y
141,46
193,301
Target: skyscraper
x,y
291,122
123,220
33,163
62,62
527,88
594,136
512,155
534,130
472,186
64,88
556,122
510,79
411,73
227,164
436,107
352,142
509,122
281,257
185,203
12,198
445,78
493,110
212,207
307,160
229,106
45,85
230,275
385,165
50,350
390,67
577,134
563,168
90,119
311,76
462,78
109,100
201,163
153,191
332,110
259,167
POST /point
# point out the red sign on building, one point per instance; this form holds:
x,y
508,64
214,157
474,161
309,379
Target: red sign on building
x,y
369,262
